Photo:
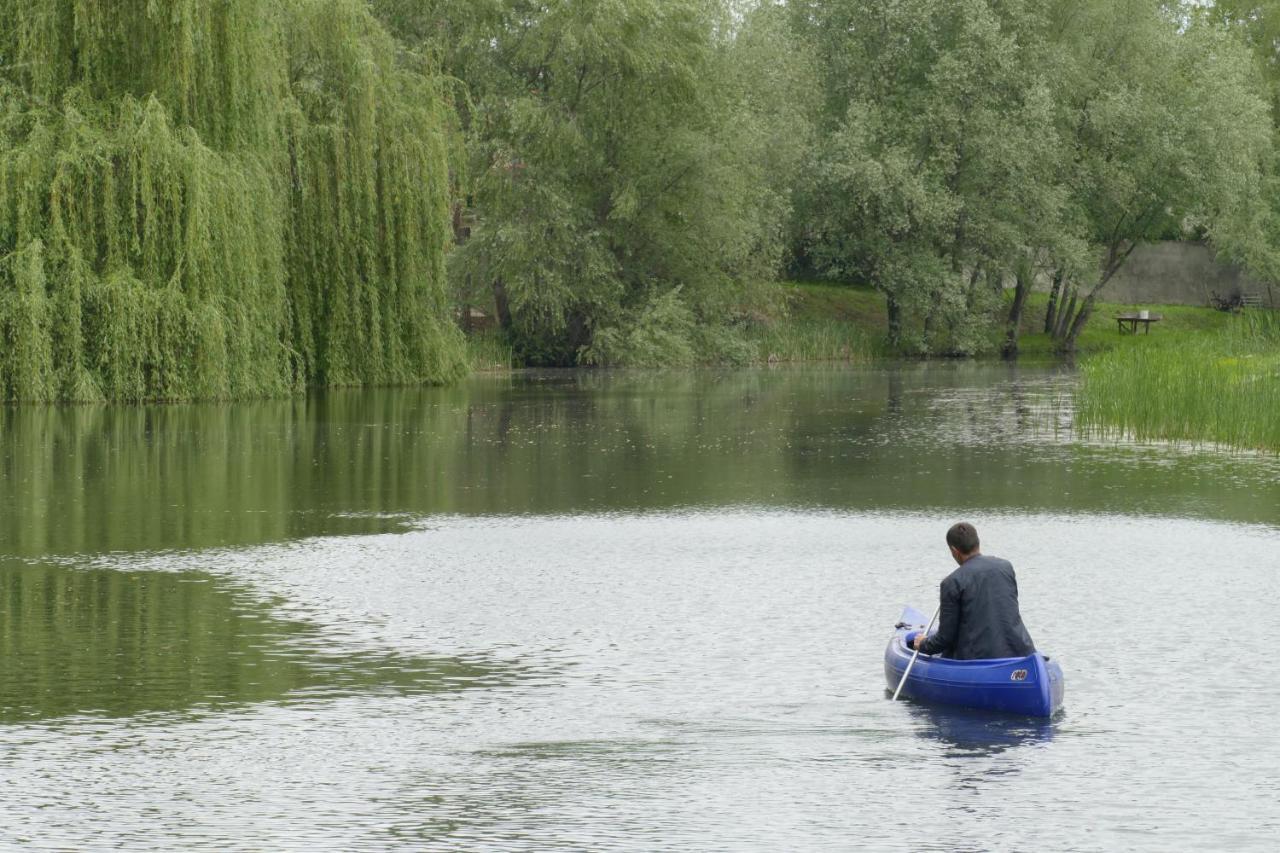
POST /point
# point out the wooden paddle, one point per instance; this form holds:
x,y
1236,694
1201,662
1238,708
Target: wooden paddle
x,y
912,662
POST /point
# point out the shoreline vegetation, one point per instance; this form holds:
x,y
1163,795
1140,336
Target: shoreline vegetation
x,y
829,322
1200,376
1221,389
233,199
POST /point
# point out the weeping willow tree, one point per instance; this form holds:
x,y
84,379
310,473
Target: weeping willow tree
x,y
216,198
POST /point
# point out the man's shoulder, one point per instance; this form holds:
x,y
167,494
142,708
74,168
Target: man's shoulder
x,y
957,576
984,563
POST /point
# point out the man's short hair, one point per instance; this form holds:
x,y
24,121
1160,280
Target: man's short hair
x,y
963,537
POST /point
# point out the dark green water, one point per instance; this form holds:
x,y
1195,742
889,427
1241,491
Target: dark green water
x,y
624,611
97,479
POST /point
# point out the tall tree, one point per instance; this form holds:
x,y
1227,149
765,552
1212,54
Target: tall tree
x,y
989,140
937,159
620,171
1169,132
1253,237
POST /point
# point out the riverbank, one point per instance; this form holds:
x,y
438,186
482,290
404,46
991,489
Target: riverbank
x,y
816,311
810,322
821,321
1198,375
1177,325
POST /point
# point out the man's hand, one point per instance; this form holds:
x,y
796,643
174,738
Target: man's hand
x,y
920,638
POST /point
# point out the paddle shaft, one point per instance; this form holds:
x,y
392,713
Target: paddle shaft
x,y
912,662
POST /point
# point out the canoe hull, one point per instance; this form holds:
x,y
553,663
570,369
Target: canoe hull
x,y
1031,685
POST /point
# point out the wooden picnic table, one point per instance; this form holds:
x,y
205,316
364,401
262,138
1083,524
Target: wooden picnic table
x,y
1131,321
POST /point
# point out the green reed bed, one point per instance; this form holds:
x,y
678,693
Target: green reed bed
x,y
808,339
489,351
1222,388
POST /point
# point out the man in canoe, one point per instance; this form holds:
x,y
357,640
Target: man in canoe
x,y
979,615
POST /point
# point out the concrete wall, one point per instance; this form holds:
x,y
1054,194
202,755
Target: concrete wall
x,y
1176,273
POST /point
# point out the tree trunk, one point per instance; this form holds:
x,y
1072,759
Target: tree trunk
x,y
1054,293
501,304
1065,313
895,320
1086,310
578,335
1115,260
461,231
1024,276
1077,325
971,293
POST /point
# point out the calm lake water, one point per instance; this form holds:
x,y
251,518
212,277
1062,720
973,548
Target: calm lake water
x,y
612,611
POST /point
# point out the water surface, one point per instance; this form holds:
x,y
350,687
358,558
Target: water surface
x,y
618,611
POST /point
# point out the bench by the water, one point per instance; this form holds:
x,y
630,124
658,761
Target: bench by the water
x,y
1129,322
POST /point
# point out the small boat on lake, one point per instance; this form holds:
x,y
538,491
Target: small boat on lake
x,y
1030,685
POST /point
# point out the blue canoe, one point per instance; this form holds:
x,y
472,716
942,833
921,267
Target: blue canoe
x,y
1031,685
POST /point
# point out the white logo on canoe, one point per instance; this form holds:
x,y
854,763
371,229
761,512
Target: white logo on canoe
x,y
1018,675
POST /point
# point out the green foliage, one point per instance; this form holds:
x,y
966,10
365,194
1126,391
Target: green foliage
x,y
658,334
937,161
1179,324
630,160
1221,388
369,194
1253,237
1258,24
216,199
969,142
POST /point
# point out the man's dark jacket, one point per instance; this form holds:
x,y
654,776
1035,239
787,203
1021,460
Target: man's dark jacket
x,y
980,617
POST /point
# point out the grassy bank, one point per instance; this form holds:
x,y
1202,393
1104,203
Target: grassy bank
x,y
1179,324
820,319
1198,376
821,322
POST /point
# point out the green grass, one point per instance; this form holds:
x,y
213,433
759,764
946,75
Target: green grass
x,y
821,322
812,340
1100,335
820,316
861,306
489,351
817,314
1221,388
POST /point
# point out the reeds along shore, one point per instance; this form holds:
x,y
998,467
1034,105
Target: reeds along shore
x,y
1222,389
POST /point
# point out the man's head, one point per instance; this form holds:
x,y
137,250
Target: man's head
x,y
962,539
